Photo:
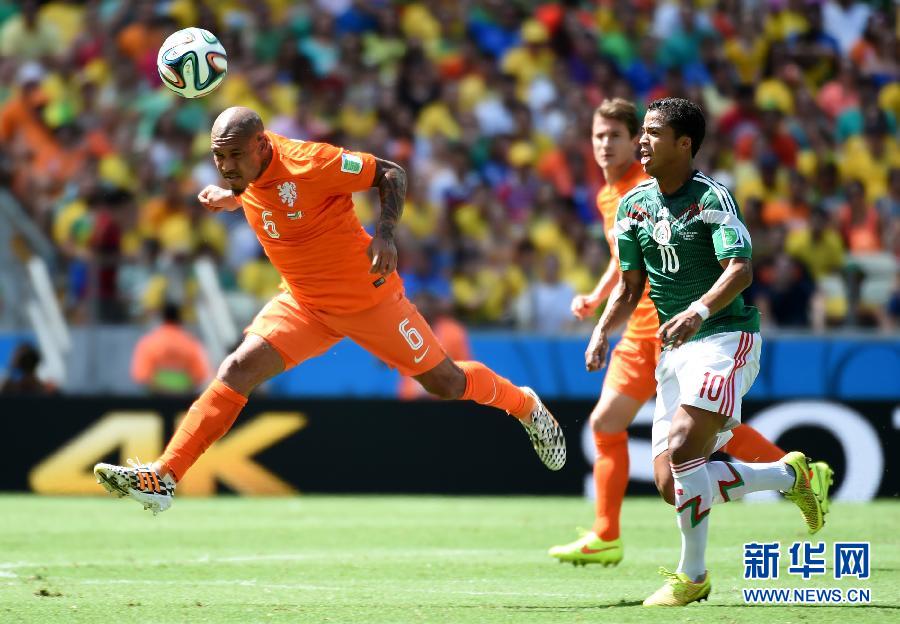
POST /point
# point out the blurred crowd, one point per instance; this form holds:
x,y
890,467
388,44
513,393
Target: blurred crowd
x,y
488,106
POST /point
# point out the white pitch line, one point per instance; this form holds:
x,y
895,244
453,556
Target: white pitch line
x,y
214,583
310,587
313,555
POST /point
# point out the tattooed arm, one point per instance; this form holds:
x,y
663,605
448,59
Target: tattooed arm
x,y
390,180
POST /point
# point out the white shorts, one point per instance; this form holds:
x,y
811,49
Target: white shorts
x,y
712,373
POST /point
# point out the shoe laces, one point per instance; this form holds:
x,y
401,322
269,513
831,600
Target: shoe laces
x,y
137,464
585,535
671,577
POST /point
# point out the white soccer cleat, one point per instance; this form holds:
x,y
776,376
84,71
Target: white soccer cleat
x,y
546,435
139,481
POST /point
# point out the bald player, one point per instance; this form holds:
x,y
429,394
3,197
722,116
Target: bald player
x,y
337,281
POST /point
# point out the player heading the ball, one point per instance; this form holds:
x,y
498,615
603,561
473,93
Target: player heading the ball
x,y
338,281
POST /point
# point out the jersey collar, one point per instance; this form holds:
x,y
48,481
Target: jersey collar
x,y
632,177
680,190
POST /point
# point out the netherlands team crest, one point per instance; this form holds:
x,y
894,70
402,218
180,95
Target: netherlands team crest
x,y
287,192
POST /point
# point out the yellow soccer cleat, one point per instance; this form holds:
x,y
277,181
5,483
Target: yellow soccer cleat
x,y
820,482
810,490
679,590
589,548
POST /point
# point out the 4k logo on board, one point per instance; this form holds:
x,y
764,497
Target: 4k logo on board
x,y
140,434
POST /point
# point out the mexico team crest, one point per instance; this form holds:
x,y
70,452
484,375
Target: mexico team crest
x,y
662,232
287,191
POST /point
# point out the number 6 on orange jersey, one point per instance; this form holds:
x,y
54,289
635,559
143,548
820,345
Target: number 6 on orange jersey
x,y
269,225
412,336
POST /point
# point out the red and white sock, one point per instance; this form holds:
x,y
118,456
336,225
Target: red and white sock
x,y
693,500
732,481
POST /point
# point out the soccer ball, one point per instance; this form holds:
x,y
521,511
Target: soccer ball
x,y
192,62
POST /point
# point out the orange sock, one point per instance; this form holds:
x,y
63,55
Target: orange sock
x,y
610,481
749,445
209,418
488,388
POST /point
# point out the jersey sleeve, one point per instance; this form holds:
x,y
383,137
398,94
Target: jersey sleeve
x,y
730,237
337,171
628,248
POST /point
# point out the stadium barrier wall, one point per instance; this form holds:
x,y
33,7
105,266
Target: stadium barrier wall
x,y
841,368
280,447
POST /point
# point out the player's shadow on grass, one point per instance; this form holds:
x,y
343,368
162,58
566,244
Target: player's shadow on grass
x,y
601,605
622,603
549,609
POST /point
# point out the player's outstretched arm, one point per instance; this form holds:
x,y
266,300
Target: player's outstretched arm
x,y
736,277
390,180
622,303
215,198
584,305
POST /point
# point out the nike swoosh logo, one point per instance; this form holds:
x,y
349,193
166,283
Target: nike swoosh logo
x,y
421,357
591,551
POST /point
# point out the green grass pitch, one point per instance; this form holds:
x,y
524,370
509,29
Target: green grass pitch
x,y
396,559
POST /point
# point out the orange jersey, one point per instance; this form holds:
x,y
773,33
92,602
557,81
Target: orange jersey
x,y
644,321
170,355
301,208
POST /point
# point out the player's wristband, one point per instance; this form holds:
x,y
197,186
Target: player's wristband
x,y
701,310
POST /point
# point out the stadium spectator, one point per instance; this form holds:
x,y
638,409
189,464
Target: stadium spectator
x,y
889,213
106,248
859,221
792,210
845,21
22,377
30,36
487,105
783,291
820,249
169,360
544,306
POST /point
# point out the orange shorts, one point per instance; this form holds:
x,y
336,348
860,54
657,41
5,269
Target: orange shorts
x,y
392,331
632,368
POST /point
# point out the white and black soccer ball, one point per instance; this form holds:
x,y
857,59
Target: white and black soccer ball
x,y
192,62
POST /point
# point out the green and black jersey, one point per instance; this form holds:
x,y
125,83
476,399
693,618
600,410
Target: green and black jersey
x,y
679,240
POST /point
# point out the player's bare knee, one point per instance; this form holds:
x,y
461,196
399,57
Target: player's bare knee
x,y
605,421
235,373
665,484
252,363
678,437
